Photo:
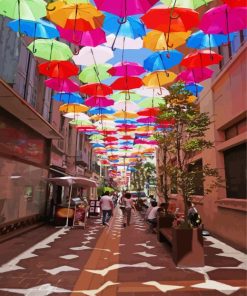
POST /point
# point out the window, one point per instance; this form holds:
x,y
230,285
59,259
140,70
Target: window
x,y
235,171
235,129
198,177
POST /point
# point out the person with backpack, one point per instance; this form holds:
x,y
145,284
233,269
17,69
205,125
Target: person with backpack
x,y
193,215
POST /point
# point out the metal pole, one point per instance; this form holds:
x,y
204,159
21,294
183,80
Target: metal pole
x,y
70,193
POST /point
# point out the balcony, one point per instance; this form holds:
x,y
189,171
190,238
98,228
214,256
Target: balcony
x,y
82,159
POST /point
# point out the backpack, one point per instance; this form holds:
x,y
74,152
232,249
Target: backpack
x,y
195,219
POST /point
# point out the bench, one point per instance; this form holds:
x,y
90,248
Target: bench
x,y
164,228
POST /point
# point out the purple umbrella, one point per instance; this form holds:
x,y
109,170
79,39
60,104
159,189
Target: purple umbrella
x,y
195,75
126,69
123,8
65,85
224,20
83,38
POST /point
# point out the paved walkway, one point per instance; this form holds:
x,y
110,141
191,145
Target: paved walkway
x,y
113,260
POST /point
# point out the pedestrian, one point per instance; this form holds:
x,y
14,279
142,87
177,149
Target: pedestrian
x,y
107,207
193,215
129,205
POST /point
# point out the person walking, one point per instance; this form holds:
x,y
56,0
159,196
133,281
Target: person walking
x,y
129,205
107,207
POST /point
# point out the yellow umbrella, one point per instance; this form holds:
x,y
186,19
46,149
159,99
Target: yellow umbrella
x,y
78,17
123,114
145,129
98,117
158,78
156,40
73,108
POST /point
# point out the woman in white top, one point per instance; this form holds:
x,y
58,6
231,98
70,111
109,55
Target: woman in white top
x,y
129,204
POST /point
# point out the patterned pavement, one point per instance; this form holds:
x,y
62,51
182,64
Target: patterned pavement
x,y
113,260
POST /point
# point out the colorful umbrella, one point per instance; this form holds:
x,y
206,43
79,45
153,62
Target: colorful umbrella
x,y
236,3
151,102
77,116
147,119
24,9
224,20
96,89
80,122
65,85
87,38
126,106
77,17
123,42
201,40
76,108
99,101
101,111
125,8
201,58
193,4
91,56
50,49
124,114
58,69
95,73
125,95
158,78
126,69
163,60
34,29
126,83
195,75
102,117
152,92
149,112
156,40
68,98
194,88
96,137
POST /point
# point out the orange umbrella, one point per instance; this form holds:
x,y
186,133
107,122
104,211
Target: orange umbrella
x,y
123,114
74,108
158,78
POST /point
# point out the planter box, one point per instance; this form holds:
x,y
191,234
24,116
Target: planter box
x,y
187,247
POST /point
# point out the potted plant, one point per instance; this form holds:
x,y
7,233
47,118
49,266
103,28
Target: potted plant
x,y
184,138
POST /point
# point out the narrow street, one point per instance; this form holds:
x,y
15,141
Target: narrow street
x,y
113,261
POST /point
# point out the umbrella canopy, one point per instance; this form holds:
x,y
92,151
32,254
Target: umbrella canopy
x,y
102,117
96,89
68,98
149,112
65,85
158,78
80,122
99,101
83,38
77,17
152,92
163,60
126,69
194,88
126,106
90,56
173,19
156,40
34,29
69,180
201,40
224,20
101,111
126,83
95,73
25,9
50,49
236,3
195,75
193,4
76,108
201,58
124,114
58,69
151,102
125,8
123,42
96,137
77,116
125,95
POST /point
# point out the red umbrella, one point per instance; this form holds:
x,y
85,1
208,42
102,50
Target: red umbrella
x,y
126,83
149,112
201,58
96,89
110,139
236,3
58,69
123,129
107,132
126,126
127,138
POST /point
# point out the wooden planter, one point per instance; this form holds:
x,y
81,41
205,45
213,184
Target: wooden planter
x,y
187,247
163,221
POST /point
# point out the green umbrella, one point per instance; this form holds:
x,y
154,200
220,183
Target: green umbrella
x,y
80,122
193,4
95,73
108,189
122,95
151,102
96,137
50,49
23,9
76,1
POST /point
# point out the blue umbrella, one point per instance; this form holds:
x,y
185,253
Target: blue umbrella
x,y
132,28
98,145
201,40
97,110
125,121
126,143
194,88
34,29
68,98
163,60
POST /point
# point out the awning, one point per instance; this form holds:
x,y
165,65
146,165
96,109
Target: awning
x,y
75,181
14,104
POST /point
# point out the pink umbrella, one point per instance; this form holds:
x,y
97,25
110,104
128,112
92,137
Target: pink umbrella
x,y
224,20
65,85
126,69
152,142
195,75
87,38
99,102
147,119
124,8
